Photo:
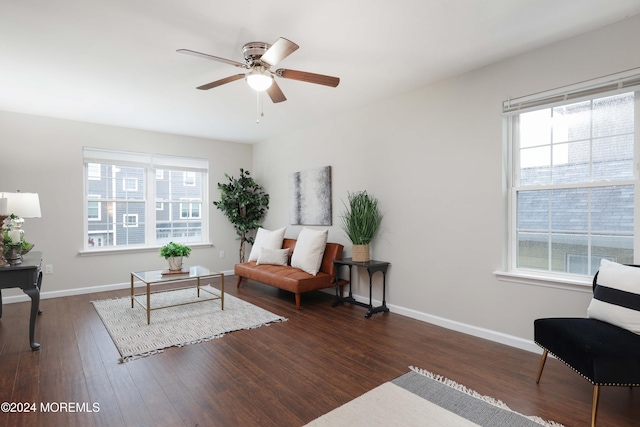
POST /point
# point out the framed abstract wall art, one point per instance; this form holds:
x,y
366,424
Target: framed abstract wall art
x,y
310,197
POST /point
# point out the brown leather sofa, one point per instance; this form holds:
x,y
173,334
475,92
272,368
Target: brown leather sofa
x,y
293,279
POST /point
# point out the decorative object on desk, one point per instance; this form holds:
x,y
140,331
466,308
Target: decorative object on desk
x,y
173,253
244,203
14,245
176,326
12,254
310,197
421,398
16,207
361,222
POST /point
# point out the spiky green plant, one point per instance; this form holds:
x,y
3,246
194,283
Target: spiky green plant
x,y
362,218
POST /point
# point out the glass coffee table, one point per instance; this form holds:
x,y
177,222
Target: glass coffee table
x,y
156,276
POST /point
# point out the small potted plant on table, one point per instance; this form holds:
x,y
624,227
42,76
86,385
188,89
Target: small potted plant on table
x,y
361,222
173,252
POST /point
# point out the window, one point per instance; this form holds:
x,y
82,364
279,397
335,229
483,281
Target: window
x,y
190,210
129,184
93,171
573,181
189,179
143,199
130,220
94,209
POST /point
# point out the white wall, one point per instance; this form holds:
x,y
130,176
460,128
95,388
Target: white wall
x,y
44,155
434,158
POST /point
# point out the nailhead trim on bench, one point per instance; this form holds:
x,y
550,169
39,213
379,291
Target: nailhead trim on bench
x,y
584,376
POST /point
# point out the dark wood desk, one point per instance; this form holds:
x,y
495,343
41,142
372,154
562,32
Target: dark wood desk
x,y
372,267
28,277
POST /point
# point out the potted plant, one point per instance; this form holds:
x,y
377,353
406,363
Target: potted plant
x,y
361,222
173,252
245,203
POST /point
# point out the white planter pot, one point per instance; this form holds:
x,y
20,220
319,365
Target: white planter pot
x,y
175,263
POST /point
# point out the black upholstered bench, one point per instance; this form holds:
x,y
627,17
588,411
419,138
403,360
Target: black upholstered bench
x,y
602,353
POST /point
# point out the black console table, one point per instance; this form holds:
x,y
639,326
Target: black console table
x,y
372,267
28,277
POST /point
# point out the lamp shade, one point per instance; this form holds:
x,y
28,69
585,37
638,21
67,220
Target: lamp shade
x,y
259,79
3,206
24,205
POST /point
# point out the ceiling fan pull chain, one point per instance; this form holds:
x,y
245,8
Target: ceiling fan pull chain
x,y
257,107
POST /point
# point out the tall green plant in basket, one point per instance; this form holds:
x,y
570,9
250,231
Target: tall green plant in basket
x,y
245,203
361,221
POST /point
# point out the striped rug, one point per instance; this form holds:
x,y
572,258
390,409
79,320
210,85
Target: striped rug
x,y
420,398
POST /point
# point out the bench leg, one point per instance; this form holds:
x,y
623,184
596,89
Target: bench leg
x,y
544,359
594,408
298,301
239,280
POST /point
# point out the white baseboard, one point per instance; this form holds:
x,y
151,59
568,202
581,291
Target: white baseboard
x,y
79,291
465,328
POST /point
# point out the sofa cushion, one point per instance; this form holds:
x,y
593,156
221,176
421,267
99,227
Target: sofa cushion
x,y
273,256
284,277
309,250
616,296
266,239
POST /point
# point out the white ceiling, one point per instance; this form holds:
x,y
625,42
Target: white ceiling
x,y
115,62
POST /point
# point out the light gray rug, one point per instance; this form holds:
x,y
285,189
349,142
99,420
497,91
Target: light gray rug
x,y
420,398
176,326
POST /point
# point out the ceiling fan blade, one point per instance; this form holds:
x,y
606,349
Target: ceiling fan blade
x,y
221,82
278,51
275,93
308,77
215,58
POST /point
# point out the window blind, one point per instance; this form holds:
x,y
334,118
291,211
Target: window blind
x,y
615,83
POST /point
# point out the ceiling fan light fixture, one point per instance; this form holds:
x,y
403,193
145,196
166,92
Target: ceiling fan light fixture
x,y
259,79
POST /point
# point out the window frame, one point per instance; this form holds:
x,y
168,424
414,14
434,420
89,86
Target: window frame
x,y
611,85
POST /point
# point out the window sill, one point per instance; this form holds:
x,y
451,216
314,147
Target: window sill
x,y
568,282
114,251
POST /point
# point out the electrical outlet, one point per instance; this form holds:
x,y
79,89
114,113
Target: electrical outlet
x,y
221,254
48,269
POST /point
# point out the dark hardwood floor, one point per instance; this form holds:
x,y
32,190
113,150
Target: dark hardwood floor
x,y
285,374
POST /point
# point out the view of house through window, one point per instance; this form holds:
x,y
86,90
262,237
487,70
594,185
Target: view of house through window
x,y
573,184
138,199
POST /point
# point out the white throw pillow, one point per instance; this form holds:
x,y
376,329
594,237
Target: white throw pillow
x,y
273,256
309,250
266,239
616,297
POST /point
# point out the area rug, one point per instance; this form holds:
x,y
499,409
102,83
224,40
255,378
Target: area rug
x,y
421,398
176,326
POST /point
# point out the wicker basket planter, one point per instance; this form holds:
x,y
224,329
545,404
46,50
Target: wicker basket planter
x,y
360,253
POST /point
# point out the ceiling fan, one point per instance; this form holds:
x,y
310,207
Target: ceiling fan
x,y
259,57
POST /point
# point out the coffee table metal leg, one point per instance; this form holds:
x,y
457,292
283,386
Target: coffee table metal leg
x,y
222,290
148,303
131,290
